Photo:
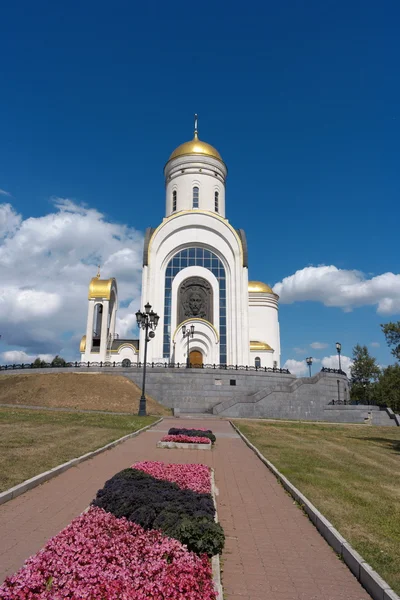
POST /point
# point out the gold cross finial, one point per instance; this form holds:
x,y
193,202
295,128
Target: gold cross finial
x,y
195,126
98,272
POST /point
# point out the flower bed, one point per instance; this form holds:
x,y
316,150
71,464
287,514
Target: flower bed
x,y
152,503
193,433
185,439
187,477
116,550
101,556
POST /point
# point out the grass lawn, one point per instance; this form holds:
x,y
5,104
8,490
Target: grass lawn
x,y
33,441
351,473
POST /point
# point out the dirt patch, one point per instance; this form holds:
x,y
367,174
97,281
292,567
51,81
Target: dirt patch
x,y
88,391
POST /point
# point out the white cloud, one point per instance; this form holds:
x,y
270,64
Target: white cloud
x,y
46,264
318,345
332,362
346,289
4,193
296,367
375,345
300,350
19,356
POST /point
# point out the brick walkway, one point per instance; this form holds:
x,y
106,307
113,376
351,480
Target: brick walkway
x,y
272,551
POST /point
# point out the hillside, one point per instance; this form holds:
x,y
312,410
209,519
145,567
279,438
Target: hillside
x,y
90,391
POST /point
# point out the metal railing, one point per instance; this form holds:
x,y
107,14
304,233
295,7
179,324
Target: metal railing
x,y
139,365
337,371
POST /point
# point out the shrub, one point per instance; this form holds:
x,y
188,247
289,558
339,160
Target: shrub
x,y
156,504
193,433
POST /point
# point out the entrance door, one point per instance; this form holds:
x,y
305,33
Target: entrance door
x,y
196,359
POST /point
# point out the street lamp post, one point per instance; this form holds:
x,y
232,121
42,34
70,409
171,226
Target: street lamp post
x,y
309,362
339,349
187,332
146,320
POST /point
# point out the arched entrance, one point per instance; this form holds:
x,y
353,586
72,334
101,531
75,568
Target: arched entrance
x,y
196,359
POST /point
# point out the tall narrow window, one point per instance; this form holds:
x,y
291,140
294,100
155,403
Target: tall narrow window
x,y
216,201
174,201
195,197
257,362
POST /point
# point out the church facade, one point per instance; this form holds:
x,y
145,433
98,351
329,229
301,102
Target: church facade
x,y
195,273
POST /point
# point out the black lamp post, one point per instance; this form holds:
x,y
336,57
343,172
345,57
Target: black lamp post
x,y
146,320
188,332
339,349
309,362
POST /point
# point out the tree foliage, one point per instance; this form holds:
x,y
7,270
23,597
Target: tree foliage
x,y
364,374
388,389
392,335
38,363
58,361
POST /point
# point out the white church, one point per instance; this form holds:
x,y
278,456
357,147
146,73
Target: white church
x,y
195,273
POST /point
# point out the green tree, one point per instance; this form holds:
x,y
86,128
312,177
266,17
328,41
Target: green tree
x,y
392,335
364,374
388,388
58,361
38,363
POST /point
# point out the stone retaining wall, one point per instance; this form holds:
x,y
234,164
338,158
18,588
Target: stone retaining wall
x,y
231,393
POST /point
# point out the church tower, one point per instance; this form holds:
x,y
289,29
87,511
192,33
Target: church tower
x,y
195,271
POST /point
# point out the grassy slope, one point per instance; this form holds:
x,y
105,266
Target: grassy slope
x,y
33,441
352,475
91,391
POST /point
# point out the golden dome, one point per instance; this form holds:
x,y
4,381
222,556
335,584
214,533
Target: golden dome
x,y
259,286
196,146
259,346
100,288
82,345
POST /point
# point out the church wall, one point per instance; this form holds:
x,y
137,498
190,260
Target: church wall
x,y
212,233
263,323
204,172
194,271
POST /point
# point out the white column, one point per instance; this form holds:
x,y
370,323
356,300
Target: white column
x,y
104,331
112,321
89,328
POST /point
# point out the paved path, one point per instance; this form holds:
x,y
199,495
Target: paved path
x,y
272,550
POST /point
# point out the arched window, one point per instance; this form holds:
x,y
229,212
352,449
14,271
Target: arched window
x,y
126,362
174,194
216,201
257,361
196,197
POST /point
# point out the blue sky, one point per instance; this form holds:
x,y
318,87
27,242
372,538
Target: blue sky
x,y
301,99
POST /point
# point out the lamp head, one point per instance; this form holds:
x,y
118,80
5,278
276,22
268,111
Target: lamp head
x,y
183,330
338,347
192,330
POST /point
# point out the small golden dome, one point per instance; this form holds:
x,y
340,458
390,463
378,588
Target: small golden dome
x,y
259,346
196,146
100,288
82,345
259,286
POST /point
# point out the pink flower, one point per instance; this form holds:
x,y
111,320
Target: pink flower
x,y
101,557
192,477
186,439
